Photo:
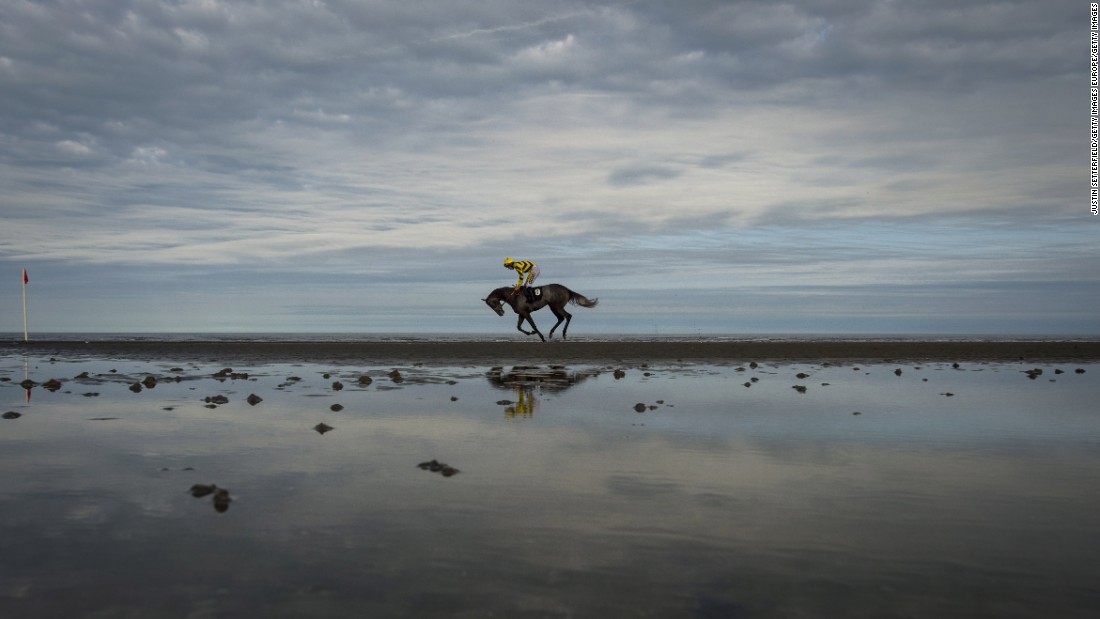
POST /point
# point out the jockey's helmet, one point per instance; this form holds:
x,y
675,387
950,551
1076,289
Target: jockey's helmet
x,y
508,262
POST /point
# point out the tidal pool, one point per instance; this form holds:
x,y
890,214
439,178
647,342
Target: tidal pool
x,y
939,492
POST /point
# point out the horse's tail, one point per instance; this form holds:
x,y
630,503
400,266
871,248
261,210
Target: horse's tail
x,y
581,300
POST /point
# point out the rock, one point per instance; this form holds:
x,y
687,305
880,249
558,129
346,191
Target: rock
x,y
396,377
1034,373
201,490
365,380
802,375
948,394
217,399
748,384
753,365
221,495
639,408
336,408
52,385
136,387
955,365
337,386
897,372
11,415
454,398
436,466
1080,370
619,374
1059,372
322,427
221,499
799,388
149,382
857,413
253,399
505,402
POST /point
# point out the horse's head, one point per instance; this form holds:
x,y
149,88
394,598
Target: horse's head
x,y
494,304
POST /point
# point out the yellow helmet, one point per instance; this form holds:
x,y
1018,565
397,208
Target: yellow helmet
x,y
508,261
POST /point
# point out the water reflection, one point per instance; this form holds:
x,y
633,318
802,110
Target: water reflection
x,y
27,383
758,502
527,382
525,405
550,377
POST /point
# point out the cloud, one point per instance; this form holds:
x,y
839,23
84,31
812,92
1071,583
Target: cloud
x,y
310,135
641,175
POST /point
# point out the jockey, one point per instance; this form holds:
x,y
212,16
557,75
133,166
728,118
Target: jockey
x,y
523,268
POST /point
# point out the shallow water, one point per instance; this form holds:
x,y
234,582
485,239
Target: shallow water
x,y
718,500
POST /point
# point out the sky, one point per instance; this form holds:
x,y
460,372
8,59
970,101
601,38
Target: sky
x,y
842,166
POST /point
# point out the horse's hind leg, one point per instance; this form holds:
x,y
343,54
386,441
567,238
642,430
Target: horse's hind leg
x,y
562,315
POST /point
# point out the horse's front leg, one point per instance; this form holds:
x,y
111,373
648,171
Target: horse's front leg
x,y
536,331
527,317
519,325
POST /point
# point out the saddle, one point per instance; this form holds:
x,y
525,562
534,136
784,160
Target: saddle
x,y
533,294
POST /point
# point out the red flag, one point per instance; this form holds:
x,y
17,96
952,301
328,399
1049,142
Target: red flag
x,y
26,280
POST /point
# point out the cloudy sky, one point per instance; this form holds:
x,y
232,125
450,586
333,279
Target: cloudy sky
x,y
700,166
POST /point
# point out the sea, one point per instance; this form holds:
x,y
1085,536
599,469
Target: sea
x,y
498,337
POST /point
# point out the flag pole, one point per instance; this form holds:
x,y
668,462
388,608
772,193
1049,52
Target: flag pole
x,y
25,337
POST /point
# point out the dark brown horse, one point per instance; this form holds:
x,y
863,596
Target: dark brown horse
x,y
553,295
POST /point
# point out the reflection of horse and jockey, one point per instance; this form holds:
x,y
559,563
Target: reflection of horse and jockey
x,y
525,405
530,382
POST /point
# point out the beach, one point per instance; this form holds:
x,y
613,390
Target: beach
x,y
749,479
480,352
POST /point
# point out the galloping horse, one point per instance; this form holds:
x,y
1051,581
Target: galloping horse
x,y
553,295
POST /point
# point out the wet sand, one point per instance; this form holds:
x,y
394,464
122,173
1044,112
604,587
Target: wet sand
x,y
574,483
453,352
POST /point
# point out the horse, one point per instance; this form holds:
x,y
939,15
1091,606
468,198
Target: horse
x,y
554,296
